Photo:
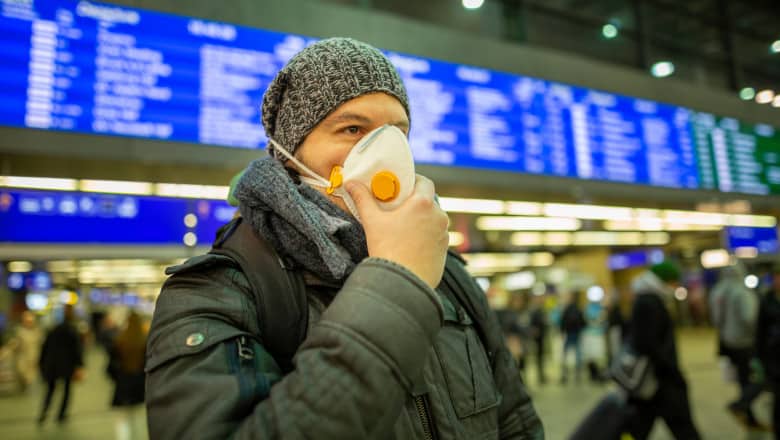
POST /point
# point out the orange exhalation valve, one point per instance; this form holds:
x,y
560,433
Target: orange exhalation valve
x,y
385,186
336,179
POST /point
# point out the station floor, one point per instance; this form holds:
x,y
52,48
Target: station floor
x,y
561,407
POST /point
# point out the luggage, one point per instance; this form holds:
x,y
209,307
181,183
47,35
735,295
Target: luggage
x,y
606,421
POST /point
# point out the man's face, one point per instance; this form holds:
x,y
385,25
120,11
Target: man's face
x,y
331,140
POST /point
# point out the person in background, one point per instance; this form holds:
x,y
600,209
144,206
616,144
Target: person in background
x,y
128,361
768,343
538,331
734,310
572,324
28,338
61,359
651,334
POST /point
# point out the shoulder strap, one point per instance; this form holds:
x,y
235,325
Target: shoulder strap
x,y
463,287
279,293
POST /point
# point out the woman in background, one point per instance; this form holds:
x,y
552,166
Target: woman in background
x,y
127,369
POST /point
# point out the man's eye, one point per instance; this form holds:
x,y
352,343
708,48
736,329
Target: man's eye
x,y
353,129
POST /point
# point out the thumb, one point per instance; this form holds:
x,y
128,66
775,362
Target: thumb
x,y
361,195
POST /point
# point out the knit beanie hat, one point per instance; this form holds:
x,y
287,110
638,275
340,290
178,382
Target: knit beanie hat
x,y
666,271
317,80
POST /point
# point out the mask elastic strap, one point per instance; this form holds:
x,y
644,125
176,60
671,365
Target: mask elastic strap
x,y
314,178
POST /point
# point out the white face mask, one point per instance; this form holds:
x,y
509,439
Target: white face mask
x,y
382,160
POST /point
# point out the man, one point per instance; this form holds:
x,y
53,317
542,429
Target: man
x,y
651,334
61,359
734,311
768,343
539,334
389,352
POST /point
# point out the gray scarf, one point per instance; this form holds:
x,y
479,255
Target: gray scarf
x,y
299,222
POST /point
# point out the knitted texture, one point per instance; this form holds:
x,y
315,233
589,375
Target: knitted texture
x,y
319,79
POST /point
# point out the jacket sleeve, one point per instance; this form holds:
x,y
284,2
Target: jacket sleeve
x,y
518,419
350,374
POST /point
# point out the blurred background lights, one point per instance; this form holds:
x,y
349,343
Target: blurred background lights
x,y
751,281
662,69
483,282
775,46
609,31
681,293
36,301
776,101
190,239
765,96
190,220
747,93
473,4
595,294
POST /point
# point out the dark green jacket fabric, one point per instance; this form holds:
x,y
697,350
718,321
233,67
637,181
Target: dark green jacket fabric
x,y
385,357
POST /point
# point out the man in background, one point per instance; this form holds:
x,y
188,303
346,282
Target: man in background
x,y
61,360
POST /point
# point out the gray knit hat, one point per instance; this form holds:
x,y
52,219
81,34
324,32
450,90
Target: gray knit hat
x,y
320,78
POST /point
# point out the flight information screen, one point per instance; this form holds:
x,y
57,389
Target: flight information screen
x,y
739,157
96,68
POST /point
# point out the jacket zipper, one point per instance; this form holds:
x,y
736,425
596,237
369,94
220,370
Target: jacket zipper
x,y
244,351
425,417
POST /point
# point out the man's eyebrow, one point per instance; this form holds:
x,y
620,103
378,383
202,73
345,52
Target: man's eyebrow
x,y
347,117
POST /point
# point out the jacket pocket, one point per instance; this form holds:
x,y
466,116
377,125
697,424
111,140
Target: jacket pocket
x,y
465,365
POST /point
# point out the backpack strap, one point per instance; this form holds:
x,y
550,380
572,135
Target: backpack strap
x,y
462,286
278,291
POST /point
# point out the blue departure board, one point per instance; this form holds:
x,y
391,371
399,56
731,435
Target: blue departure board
x,y
96,68
764,240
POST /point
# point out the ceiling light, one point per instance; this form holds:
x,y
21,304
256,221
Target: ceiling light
x,y
473,4
715,258
747,93
594,212
558,239
776,101
609,31
192,191
759,221
662,69
765,96
655,239
527,239
640,224
746,252
751,281
456,238
775,46
19,266
523,208
519,281
505,223
115,187
473,206
39,183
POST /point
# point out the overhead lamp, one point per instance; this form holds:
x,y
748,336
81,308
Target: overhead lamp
x,y
519,281
747,93
594,212
192,191
558,239
115,187
523,208
758,221
655,238
775,46
713,258
662,69
751,281
776,101
609,31
473,4
601,238
19,266
639,224
507,262
47,183
765,96
456,238
672,216
527,239
746,252
507,223
471,206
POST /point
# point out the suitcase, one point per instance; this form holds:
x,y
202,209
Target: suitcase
x,y
606,421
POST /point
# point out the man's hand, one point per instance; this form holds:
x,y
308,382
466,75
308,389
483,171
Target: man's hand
x,y
413,235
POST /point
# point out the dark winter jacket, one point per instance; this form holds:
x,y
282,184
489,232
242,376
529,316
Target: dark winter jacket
x,y
651,330
768,335
384,357
61,353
